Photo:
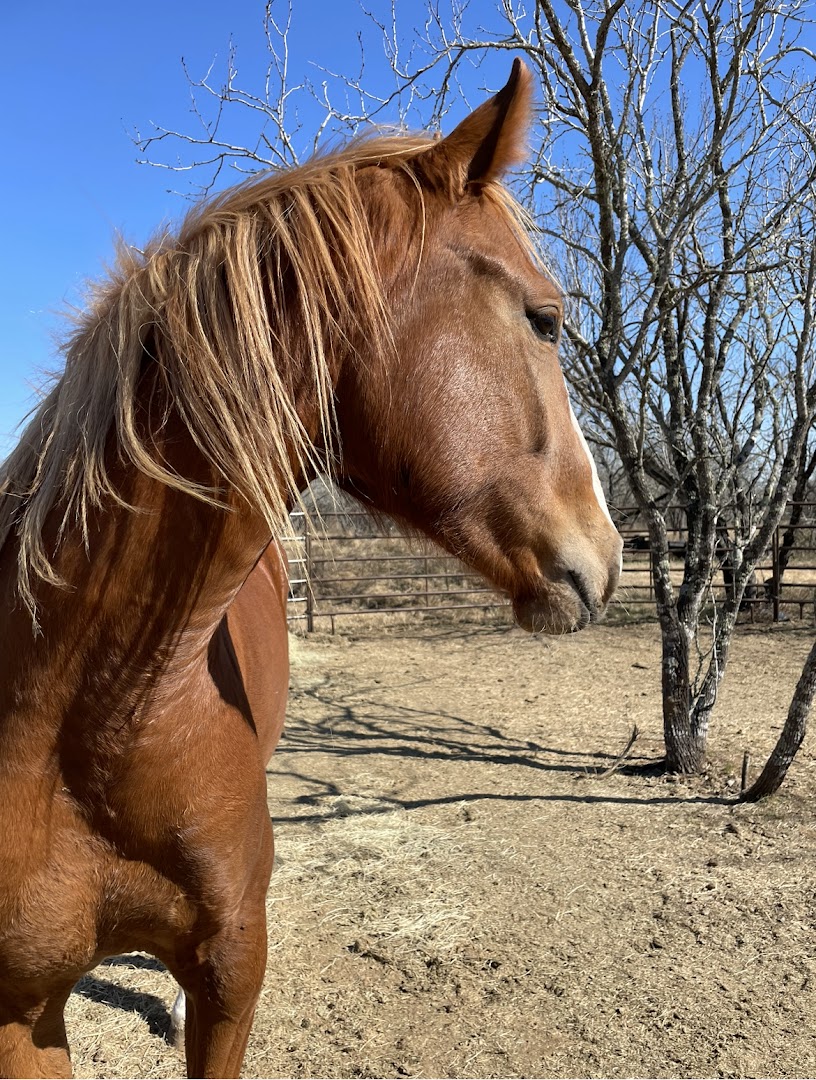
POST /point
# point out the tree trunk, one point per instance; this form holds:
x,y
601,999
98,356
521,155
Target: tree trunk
x,y
685,751
791,736
706,698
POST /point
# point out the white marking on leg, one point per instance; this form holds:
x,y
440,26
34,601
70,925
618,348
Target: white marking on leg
x,y
178,1015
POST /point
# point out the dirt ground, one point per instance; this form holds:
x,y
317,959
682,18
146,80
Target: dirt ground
x,y
461,891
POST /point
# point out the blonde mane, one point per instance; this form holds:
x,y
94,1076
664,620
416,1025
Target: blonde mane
x,y
208,308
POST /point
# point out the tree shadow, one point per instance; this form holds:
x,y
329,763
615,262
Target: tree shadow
x,y
362,723
364,726
645,769
388,804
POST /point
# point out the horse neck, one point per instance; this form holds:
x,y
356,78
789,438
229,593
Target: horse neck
x,y
143,599
154,574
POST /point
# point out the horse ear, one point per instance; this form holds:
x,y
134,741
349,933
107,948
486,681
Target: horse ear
x,y
487,142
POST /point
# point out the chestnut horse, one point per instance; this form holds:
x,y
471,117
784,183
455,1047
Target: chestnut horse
x,y
378,314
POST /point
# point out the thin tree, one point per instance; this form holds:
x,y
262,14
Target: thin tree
x,y
790,738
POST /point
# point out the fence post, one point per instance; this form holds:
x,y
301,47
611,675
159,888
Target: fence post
x,y
775,573
307,555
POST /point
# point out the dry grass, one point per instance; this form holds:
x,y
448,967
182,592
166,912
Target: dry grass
x,y
368,871
459,893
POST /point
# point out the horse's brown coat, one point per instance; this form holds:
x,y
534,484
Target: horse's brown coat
x,y
135,725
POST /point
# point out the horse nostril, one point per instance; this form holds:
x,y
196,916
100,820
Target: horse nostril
x,y
585,594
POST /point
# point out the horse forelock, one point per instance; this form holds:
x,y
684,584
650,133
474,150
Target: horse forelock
x,y
267,276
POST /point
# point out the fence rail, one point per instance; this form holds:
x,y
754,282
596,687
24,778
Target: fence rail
x,y
346,564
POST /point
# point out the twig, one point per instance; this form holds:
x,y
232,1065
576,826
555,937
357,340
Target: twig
x,y
746,761
624,754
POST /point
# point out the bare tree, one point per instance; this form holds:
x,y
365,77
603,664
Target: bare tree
x,y
674,182
208,151
209,154
791,736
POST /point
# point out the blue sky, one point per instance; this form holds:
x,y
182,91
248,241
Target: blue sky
x,y
79,79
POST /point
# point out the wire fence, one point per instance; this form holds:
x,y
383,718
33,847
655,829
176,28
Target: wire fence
x,y
344,563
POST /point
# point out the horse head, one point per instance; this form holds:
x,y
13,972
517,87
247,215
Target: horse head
x,y
460,424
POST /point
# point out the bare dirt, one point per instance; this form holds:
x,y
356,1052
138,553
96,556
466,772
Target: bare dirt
x,y
462,892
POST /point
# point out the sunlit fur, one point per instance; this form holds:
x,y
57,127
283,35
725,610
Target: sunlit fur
x,y
376,314
241,314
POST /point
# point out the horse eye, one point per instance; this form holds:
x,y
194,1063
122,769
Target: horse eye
x,y
545,325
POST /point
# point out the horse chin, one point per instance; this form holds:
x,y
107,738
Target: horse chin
x,y
557,612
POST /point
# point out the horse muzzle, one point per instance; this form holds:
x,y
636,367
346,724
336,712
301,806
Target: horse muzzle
x,y
567,604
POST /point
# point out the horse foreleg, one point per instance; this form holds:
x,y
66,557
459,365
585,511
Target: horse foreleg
x,y
35,1044
221,976
221,994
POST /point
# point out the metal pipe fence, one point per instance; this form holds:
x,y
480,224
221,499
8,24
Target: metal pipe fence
x,y
344,563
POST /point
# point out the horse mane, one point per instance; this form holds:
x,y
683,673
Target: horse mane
x,y
266,273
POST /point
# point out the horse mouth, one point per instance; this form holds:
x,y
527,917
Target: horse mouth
x,y
564,608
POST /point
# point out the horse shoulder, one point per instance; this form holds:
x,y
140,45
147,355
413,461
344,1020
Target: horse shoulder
x,y
259,639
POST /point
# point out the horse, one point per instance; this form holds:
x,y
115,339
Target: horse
x,y
378,314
